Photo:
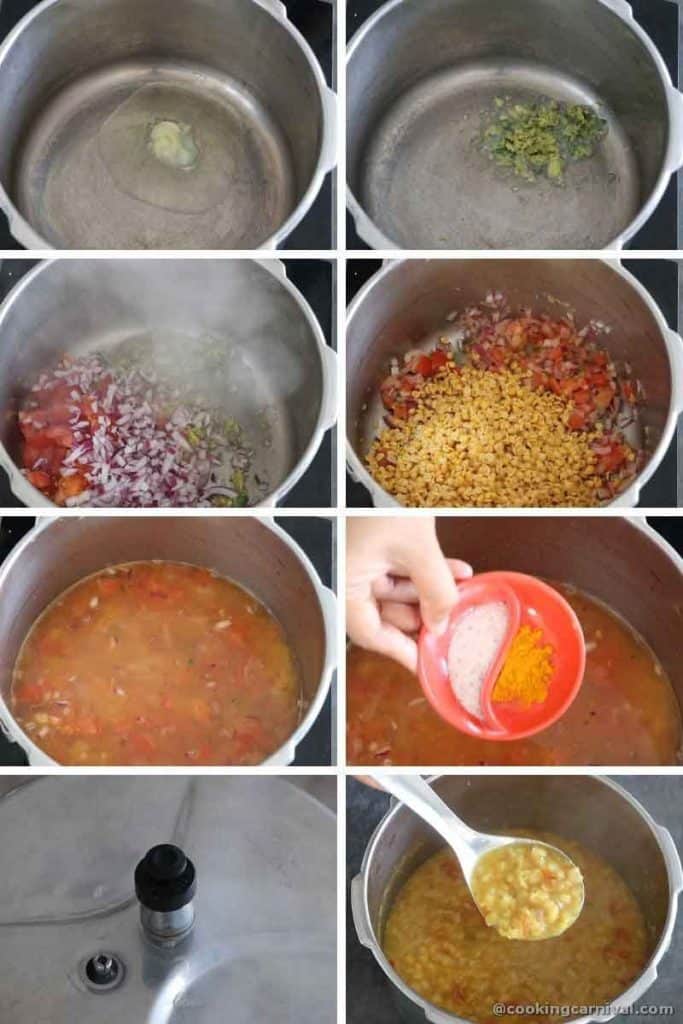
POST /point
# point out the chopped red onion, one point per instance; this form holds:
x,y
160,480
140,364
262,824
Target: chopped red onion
x,y
131,451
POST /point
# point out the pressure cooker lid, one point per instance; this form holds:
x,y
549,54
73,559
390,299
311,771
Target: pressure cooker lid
x,y
68,845
264,938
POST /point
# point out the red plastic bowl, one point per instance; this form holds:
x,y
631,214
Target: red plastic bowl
x,y
530,602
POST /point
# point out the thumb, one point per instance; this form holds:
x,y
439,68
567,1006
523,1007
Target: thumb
x,y
436,588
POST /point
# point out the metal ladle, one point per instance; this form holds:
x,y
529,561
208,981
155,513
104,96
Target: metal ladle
x,y
468,845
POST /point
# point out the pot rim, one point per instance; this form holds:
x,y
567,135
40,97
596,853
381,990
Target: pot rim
x,y
672,342
25,234
326,599
370,233
33,498
627,998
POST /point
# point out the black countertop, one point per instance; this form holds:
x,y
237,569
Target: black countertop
x,y
369,993
660,19
315,279
316,537
314,19
661,278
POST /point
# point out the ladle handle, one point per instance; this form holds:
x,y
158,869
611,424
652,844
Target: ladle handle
x,y
419,796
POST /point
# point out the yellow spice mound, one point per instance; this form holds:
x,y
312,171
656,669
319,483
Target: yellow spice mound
x,y
527,671
484,439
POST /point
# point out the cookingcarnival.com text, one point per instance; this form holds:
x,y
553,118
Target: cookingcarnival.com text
x,y
547,1009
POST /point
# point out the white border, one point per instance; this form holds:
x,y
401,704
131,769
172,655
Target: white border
x,y
337,510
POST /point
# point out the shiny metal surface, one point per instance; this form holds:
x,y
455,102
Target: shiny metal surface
x,y
85,82
264,942
406,304
422,72
270,370
253,552
593,811
167,928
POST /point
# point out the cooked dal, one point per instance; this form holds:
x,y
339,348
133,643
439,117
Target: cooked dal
x,y
156,663
528,891
438,942
626,712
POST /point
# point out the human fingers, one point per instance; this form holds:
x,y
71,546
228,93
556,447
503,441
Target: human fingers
x,y
405,617
366,628
398,588
433,578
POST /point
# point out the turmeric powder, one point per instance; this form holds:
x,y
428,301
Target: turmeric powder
x,y
527,671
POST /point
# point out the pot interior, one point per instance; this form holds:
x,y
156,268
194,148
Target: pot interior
x,y
85,85
239,548
228,329
409,306
581,808
423,75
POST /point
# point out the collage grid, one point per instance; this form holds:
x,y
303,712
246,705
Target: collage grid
x,y
320,860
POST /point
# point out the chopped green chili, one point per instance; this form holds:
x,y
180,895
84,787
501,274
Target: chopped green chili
x,y
541,138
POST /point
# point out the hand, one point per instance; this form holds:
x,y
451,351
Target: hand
x,y
397,579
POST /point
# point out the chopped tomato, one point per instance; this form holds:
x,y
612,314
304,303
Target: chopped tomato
x,y
32,693
87,725
439,359
612,460
39,479
577,419
423,366
142,744
603,399
401,410
70,487
60,435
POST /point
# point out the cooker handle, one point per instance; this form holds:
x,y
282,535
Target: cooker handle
x,y
677,371
18,227
328,409
7,465
276,267
328,151
328,412
276,8
18,483
621,7
365,229
42,522
380,499
359,914
284,757
328,604
676,144
628,498
673,859
6,730
37,758
631,496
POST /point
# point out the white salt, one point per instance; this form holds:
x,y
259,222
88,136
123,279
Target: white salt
x,y
477,639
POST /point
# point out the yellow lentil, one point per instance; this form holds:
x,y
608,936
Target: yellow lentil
x,y
439,944
484,439
527,891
